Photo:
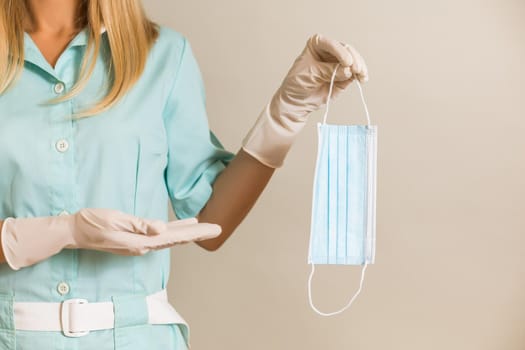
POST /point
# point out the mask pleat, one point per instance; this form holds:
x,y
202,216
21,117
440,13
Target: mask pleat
x,y
342,191
347,251
332,193
356,196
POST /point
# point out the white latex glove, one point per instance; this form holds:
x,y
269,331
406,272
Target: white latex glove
x,y
27,241
303,90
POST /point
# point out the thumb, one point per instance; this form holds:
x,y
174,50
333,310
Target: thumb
x,y
155,227
146,226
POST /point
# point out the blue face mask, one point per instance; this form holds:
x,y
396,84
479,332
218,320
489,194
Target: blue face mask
x,y
344,191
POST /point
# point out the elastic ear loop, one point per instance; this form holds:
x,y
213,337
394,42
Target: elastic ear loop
x,y
365,264
330,95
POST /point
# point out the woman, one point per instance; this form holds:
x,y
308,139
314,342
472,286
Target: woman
x,y
103,121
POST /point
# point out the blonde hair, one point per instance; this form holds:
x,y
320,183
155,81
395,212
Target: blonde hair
x,y
130,34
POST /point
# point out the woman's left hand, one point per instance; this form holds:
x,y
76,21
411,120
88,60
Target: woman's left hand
x,y
303,90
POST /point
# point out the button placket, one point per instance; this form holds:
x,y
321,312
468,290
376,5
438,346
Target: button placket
x,y
61,167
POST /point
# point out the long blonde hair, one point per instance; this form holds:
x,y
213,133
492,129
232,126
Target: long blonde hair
x,y
131,35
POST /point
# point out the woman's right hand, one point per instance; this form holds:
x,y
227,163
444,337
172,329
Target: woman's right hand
x,y
28,240
117,232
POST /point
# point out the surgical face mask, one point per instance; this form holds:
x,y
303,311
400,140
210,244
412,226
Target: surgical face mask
x,y
343,223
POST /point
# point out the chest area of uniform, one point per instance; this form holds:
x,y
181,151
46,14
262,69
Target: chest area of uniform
x,y
31,129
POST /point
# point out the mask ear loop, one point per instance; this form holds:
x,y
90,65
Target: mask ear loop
x,y
330,95
347,305
366,263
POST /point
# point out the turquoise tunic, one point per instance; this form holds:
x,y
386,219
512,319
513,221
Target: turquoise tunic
x,y
154,146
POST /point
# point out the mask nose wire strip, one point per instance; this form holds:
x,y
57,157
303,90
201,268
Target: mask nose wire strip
x,y
347,305
330,95
366,264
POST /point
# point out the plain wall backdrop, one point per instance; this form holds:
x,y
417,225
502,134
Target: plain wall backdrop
x,y
447,92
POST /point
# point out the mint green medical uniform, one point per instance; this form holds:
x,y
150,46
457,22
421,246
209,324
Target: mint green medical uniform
x,y
154,146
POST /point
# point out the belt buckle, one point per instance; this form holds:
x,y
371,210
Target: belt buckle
x,y
65,317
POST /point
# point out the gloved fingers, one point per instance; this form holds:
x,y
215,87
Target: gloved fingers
x,y
323,71
155,227
329,50
183,234
182,222
359,67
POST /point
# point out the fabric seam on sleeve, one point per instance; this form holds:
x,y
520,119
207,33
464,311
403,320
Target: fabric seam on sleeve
x,y
175,79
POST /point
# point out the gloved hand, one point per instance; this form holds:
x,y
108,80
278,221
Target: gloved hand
x,y
27,241
303,90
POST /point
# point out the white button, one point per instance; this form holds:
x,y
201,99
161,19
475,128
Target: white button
x,y
62,145
63,288
64,212
59,87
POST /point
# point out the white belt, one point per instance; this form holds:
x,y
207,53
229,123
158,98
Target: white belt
x,y
76,317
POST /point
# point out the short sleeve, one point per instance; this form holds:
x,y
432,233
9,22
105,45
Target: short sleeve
x,y
195,155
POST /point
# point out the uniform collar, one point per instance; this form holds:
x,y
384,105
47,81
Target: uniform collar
x,y
81,38
32,53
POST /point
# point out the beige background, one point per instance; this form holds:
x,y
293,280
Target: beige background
x,y
447,91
